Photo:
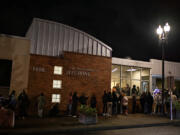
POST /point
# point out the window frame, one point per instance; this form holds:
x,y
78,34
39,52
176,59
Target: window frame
x,y
55,98
55,84
56,70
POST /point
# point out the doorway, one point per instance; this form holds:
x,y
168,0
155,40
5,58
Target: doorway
x,y
5,76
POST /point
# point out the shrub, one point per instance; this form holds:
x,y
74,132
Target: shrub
x,y
177,105
86,110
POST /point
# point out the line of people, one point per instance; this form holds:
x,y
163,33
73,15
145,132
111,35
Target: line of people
x,y
74,100
18,105
114,103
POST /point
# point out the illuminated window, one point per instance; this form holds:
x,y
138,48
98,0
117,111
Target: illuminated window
x,y
58,70
57,84
56,98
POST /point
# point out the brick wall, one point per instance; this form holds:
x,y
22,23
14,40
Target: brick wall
x,y
81,73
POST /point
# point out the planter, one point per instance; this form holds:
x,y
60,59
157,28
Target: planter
x,y
178,114
87,119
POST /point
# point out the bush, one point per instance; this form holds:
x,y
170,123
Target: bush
x,y
86,110
177,105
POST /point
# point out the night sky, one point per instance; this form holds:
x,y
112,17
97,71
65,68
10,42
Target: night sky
x,y
128,27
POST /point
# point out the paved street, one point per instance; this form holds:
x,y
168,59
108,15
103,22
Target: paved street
x,y
162,130
120,124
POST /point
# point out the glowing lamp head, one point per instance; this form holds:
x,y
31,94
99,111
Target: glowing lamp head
x,y
159,30
167,27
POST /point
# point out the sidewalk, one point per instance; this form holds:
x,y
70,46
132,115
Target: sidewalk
x,y
69,124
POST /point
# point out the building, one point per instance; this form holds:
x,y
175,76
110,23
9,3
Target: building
x,y
57,59
14,61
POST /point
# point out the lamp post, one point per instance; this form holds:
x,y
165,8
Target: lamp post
x,y
163,36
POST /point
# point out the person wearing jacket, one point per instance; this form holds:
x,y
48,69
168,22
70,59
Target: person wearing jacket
x,y
41,105
104,100
109,104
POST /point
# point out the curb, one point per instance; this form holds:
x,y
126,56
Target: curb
x,y
79,130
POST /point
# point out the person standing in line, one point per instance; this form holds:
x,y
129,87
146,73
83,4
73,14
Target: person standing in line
x,y
69,107
133,103
125,104
83,99
23,102
114,103
134,93
41,104
138,91
74,104
109,104
146,107
120,102
150,102
104,99
13,94
174,99
12,101
93,101
142,101
127,90
159,102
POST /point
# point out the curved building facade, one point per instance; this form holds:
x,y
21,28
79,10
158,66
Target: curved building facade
x,y
52,39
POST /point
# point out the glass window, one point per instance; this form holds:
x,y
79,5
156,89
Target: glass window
x,y
57,84
58,70
115,76
127,76
126,72
145,74
137,84
136,73
125,86
56,98
145,86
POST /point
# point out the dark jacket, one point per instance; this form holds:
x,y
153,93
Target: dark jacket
x,y
109,97
105,98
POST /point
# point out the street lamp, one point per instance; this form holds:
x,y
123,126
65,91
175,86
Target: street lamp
x,y
163,33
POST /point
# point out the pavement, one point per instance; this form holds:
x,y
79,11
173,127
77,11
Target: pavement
x,y
65,124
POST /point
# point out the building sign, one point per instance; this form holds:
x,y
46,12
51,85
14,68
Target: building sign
x,y
38,69
79,72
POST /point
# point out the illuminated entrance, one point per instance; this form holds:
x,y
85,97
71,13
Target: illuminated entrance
x,y
127,76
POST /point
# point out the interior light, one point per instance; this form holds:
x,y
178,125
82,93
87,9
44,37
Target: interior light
x,y
115,69
131,69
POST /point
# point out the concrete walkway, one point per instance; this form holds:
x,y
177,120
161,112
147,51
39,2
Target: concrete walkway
x,y
69,124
